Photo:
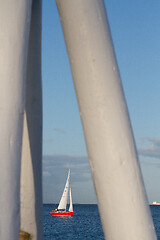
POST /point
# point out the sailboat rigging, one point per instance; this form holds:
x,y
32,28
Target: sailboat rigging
x,y
61,210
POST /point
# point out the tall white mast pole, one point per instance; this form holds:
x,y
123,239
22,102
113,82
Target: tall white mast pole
x,y
111,149
14,34
31,169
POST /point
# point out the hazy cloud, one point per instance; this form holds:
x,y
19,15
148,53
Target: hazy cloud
x,y
48,140
58,166
152,150
59,130
150,163
46,173
55,170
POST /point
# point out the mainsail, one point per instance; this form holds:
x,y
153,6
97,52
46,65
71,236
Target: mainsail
x,y
63,201
71,205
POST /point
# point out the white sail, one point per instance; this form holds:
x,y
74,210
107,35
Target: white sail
x,y
71,205
63,201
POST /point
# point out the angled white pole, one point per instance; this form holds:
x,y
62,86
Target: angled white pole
x,y
31,169
14,34
111,149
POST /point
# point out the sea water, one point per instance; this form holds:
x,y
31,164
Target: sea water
x,y
84,224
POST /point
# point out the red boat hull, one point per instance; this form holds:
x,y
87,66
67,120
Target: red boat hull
x,y
61,213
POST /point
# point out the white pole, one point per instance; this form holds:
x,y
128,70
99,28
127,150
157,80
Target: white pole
x,y
31,170
27,193
111,149
14,33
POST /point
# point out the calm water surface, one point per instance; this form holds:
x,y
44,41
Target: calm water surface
x,y
84,224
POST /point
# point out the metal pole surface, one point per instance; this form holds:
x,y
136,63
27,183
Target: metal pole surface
x,y
31,171
14,34
111,149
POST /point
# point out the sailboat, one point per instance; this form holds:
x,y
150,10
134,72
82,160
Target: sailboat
x,y
61,210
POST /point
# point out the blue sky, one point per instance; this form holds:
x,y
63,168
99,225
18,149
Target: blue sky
x,y
135,28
